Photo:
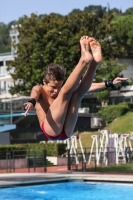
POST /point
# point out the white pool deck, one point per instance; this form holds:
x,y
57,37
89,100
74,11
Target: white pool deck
x,y
21,179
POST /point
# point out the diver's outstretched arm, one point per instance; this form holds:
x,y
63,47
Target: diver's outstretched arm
x,y
99,86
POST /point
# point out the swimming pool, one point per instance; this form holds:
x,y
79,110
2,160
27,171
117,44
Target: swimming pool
x,y
70,191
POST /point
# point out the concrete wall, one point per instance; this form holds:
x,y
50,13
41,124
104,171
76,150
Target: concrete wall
x,y
4,138
16,163
57,160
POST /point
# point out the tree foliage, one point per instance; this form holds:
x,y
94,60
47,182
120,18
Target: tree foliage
x,y
108,70
129,11
98,10
54,38
122,37
5,42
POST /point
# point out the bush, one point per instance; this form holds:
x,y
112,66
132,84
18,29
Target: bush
x,y
22,150
109,113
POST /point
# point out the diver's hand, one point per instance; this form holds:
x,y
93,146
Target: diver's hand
x,y
28,106
118,80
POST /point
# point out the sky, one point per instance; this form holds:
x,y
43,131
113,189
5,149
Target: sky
x,y
11,10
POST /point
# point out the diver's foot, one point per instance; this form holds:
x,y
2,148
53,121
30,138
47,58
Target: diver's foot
x,y
96,50
85,54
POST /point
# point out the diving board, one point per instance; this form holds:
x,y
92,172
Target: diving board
x,y
7,127
17,115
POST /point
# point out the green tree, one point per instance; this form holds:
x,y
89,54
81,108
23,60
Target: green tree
x,y
98,10
5,41
129,11
108,70
75,11
55,39
122,35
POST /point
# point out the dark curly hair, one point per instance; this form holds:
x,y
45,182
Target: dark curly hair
x,y
54,72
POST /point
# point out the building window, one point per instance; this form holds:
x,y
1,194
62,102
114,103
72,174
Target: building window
x,y
127,99
1,63
116,100
92,103
5,86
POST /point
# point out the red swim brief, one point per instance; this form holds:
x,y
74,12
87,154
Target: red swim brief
x,y
61,136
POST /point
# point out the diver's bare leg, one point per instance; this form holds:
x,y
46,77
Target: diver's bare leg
x,y
56,114
83,87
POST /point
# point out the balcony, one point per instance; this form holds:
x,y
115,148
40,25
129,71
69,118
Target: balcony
x,y
6,56
4,72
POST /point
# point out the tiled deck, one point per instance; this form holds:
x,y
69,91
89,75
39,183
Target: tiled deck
x,y
19,179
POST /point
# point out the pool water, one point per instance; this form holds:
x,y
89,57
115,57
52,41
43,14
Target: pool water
x,y
70,191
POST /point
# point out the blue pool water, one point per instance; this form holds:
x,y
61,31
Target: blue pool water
x,y
70,191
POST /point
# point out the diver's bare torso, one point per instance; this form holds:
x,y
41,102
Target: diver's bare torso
x,y
42,105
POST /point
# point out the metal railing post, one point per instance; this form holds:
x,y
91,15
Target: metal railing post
x,y
13,157
45,160
28,162
95,163
83,165
69,159
8,162
34,161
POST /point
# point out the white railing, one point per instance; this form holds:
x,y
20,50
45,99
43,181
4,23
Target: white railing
x,y
5,54
83,110
4,72
127,88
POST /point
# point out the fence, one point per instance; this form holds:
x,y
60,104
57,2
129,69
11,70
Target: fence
x,y
90,161
23,159
15,161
